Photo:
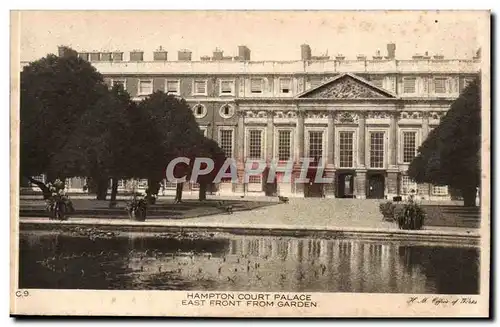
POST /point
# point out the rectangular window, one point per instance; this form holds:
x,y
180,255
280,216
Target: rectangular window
x,y
172,86
284,144
256,85
377,81
439,85
346,149
409,85
409,146
377,149
407,185
145,87
119,82
285,85
316,146
227,87
439,190
226,142
255,144
200,87
254,179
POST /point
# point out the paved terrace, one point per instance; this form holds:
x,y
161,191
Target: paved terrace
x,y
265,213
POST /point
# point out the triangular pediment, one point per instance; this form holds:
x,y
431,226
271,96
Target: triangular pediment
x,y
347,86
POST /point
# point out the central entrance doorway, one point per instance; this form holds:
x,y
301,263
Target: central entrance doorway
x,y
345,184
375,186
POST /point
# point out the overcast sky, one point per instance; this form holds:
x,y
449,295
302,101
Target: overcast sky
x,y
269,35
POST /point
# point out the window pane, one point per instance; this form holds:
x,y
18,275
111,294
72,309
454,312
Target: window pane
x,y
315,145
346,149
439,85
440,190
145,87
226,87
409,146
409,85
407,185
226,142
256,85
284,145
173,86
200,87
119,82
255,144
377,150
285,85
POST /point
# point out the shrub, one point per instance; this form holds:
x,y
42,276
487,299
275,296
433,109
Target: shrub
x,y
411,216
58,204
387,210
136,208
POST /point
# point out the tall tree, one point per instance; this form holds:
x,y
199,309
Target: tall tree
x,y
173,132
452,152
55,91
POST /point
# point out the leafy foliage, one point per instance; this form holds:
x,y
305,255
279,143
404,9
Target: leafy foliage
x,y
387,209
451,153
411,216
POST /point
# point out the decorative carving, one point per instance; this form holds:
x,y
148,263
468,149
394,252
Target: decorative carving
x,y
378,115
347,118
262,114
291,114
250,114
226,110
411,115
317,115
436,115
345,87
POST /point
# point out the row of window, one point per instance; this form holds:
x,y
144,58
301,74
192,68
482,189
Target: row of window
x,y
440,85
255,148
226,87
408,186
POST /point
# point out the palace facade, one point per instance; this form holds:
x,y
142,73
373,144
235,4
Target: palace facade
x,y
365,117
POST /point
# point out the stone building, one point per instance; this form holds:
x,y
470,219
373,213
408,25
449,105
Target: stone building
x,y
365,117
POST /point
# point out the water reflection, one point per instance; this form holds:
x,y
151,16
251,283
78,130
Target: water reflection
x,y
245,263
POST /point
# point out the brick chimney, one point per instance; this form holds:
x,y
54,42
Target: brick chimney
x,y
184,55
106,56
64,51
84,55
136,55
305,52
391,51
377,55
95,56
160,55
218,54
117,56
243,53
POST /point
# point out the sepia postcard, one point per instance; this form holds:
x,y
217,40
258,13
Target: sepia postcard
x,y
250,163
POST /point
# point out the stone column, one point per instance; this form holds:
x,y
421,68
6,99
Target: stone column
x,y
299,187
329,189
393,171
360,184
239,187
270,137
362,140
424,189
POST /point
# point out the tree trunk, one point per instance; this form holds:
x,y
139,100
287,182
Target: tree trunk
x,y
45,190
154,185
202,193
469,196
178,192
114,192
102,189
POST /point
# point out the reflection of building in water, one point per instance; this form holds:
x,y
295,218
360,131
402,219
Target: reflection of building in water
x,y
349,265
